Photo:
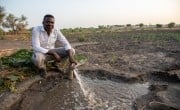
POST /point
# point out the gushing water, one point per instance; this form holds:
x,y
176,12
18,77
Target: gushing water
x,y
107,94
86,91
80,82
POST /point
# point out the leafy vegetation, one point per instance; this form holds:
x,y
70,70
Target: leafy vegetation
x,y
22,58
18,67
81,58
15,68
82,38
160,38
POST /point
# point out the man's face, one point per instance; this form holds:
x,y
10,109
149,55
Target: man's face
x,y
48,24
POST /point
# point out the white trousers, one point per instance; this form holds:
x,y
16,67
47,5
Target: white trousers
x,y
40,59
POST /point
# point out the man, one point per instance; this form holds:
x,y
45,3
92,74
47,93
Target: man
x,y
43,43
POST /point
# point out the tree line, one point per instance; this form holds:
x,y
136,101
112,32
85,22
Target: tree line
x,y
18,24
11,22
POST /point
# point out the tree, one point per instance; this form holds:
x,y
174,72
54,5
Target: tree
x,y
2,14
15,24
171,25
10,22
102,27
159,25
22,23
141,25
128,25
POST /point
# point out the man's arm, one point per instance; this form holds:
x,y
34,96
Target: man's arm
x,y
71,57
63,40
67,47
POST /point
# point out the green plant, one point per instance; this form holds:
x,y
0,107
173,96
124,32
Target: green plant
x,y
81,58
114,58
177,37
81,38
19,66
19,59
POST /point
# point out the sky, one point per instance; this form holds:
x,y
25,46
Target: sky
x,y
92,13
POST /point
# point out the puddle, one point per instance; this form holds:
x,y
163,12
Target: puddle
x,y
111,95
83,93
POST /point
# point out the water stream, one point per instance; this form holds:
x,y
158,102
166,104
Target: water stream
x,y
107,94
84,93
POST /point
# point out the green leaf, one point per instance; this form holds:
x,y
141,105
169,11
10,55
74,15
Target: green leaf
x,y
82,61
13,78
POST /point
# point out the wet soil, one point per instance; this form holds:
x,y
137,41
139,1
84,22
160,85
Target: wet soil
x,y
140,61
118,58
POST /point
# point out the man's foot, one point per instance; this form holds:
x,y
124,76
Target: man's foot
x,y
70,75
56,67
42,72
71,71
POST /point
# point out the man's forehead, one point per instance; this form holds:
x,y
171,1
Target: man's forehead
x,y
49,19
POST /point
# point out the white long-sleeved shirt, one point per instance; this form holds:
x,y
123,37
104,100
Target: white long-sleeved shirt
x,y
41,42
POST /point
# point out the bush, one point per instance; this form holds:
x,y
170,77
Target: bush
x,y
171,25
82,38
159,25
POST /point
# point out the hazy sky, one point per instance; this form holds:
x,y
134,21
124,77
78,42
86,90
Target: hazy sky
x,y
91,13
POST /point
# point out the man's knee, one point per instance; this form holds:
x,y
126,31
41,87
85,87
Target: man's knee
x,y
38,59
39,56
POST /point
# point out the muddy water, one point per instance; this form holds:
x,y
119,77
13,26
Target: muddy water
x,y
83,93
111,95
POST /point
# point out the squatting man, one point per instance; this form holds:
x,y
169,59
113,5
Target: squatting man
x,y
43,43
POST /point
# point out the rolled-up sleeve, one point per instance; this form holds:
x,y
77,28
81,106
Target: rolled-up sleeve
x,y
63,40
36,42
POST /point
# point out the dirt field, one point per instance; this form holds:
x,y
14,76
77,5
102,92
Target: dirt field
x,y
153,58
140,60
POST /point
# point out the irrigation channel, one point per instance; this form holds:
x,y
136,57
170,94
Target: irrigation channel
x,y
89,91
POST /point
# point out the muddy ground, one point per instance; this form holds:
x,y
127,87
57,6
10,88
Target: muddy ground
x,y
140,61
135,61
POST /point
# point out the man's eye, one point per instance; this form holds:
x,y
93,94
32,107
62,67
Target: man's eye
x,y
48,22
51,22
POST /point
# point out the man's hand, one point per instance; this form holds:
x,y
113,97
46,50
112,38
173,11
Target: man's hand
x,y
71,57
72,60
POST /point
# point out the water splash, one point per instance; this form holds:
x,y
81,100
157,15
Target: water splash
x,y
80,81
86,91
108,94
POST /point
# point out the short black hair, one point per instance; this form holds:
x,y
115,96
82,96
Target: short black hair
x,y
48,15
